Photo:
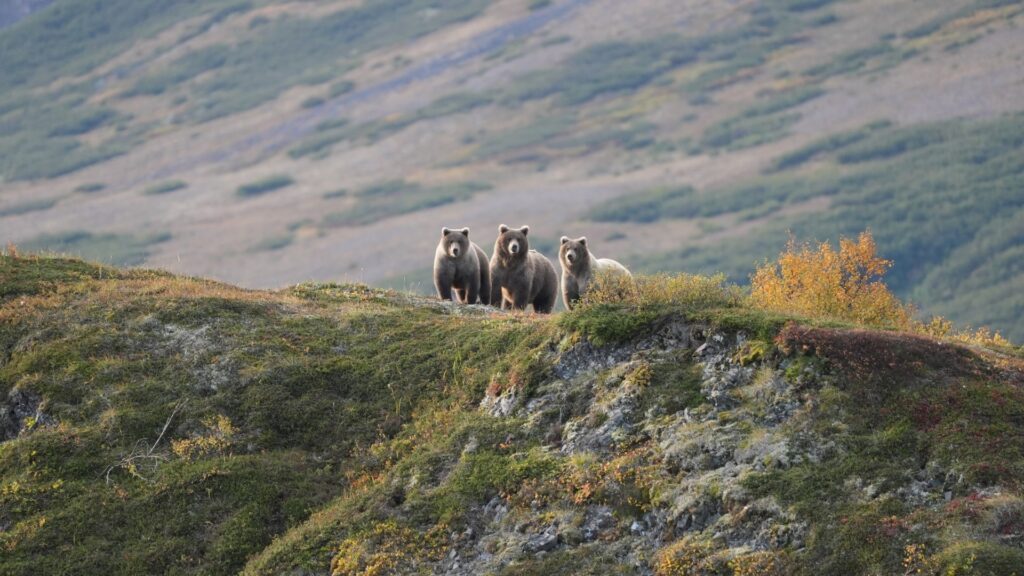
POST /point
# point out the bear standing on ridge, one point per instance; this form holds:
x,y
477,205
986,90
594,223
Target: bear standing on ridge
x,y
579,268
520,276
461,265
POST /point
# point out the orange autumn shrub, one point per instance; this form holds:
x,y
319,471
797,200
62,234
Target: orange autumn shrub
x,y
822,282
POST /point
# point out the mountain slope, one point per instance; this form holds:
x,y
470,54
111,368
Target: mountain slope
x,y
162,424
131,131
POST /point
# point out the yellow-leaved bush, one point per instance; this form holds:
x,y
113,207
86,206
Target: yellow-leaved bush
x,y
822,282
216,440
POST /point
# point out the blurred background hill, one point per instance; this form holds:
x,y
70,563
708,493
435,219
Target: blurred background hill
x,y
269,142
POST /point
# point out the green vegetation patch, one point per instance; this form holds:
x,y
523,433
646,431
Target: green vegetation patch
x,y
873,58
396,197
165,187
331,132
647,206
615,67
265,186
901,423
70,39
114,249
90,187
537,132
39,136
825,145
29,206
40,129
31,276
761,123
274,243
290,51
937,23
604,69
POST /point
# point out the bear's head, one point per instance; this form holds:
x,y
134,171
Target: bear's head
x,y
455,242
512,244
574,254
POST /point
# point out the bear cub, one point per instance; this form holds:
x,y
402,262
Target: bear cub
x,y
460,266
520,276
580,268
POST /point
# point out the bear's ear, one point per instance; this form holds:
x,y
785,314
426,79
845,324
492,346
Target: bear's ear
x,y
502,229
445,231
525,230
465,232
583,240
565,239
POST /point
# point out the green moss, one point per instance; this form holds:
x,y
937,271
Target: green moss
x,y
609,324
674,385
595,559
479,476
981,559
31,276
753,351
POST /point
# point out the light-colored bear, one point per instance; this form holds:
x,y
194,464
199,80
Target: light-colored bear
x,y
580,267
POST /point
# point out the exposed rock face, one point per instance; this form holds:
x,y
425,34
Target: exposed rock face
x,y
595,407
20,411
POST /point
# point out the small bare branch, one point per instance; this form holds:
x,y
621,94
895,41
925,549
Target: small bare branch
x,y
143,454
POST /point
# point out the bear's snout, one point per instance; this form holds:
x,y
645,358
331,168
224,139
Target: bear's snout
x,y
455,251
570,255
513,247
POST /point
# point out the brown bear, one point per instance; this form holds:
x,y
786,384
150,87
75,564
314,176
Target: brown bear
x,y
520,276
461,266
580,267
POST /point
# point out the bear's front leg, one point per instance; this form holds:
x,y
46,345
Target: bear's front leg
x,y
473,290
497,298
443,286
520,300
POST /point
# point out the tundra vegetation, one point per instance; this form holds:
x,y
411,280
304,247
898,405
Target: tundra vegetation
x,y
156,423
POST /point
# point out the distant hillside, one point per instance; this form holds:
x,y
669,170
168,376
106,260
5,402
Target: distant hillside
x,y
265,142
157,424
12,11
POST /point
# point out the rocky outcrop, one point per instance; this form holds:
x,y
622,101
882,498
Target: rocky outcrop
x,y
20,412
598,404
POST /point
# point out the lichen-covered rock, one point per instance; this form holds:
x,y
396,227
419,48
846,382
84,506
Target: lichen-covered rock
x,y
21,411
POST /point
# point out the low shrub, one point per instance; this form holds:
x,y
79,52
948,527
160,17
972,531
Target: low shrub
x,y
165,187
261,187
824,283
617,308
846,285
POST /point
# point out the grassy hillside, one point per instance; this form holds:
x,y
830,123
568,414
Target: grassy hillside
x,y
932,194
161,424
265,142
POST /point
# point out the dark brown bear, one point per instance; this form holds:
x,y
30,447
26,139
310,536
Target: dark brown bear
x,y
520,276
461,266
